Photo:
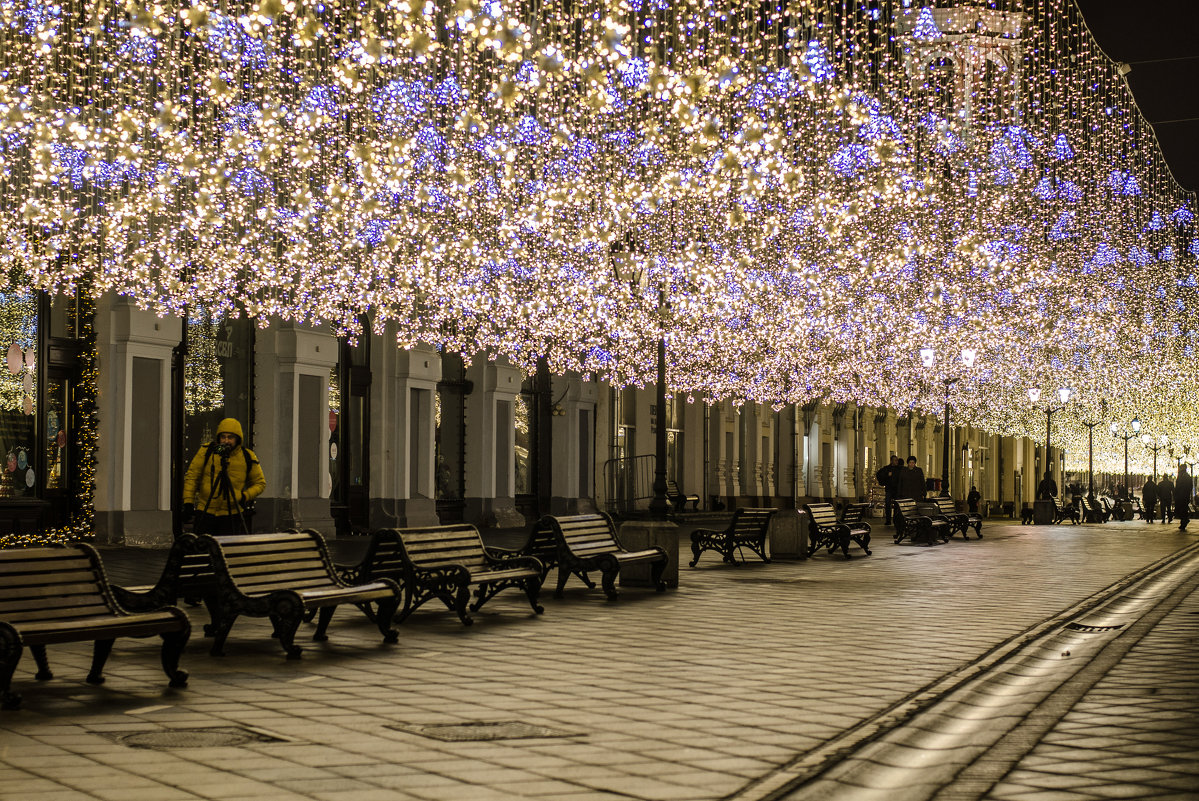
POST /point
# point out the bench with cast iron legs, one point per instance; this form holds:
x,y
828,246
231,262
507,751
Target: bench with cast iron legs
x,y
445,562
961,521
1063,511
57,595
748,529
679,498
911,525
584,543
285,577
826,531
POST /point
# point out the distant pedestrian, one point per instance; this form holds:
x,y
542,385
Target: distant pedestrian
x,y
1149,500
1165,492
972,500
1047,489
1184,487
888,479
911,481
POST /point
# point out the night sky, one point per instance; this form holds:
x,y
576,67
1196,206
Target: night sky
x,y
1160,40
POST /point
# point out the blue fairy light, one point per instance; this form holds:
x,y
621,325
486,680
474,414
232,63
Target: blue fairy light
x,y
1166,253
1105,255
1061,148
136,45
816,57
1045,189
1063,228
926,26
323,100
251,182
242,117
1131,187
1156,222
373,232
399,102
72,161
34,15
527,74
634,73
529,131
448,92
230,41
1182,216
1139,256
1069,191
849,160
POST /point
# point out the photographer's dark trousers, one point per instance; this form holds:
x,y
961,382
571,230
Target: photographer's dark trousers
x,y
218,525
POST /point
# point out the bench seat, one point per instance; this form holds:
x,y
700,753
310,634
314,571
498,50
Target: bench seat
x,y
961,521
748,529
61,594
286,577
679,498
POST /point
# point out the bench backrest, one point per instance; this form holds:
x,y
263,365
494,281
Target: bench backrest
x,y
821,515
43,585
672,488
905,506
946,505
1088,504
431,547
585,535
855,513
263,563
751,521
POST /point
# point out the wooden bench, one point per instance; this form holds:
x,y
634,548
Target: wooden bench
x,y
1093,512
962,521
1063,512
911,525
445,562
584,543
854,517
679,498
284,577
748,529
55,595
825,530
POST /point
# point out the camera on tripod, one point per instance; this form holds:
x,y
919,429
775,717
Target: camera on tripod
x,y
222,449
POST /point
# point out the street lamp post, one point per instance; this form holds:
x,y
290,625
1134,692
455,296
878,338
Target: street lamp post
x,y
927,358
1149,444
1090,460
1034,395
1135,425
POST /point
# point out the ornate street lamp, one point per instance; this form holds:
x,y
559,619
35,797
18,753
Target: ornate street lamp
x,y
928,358
1063,394
1090,460
1149,444
1135,425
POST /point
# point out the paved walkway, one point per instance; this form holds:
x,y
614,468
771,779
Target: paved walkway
x,y
750,682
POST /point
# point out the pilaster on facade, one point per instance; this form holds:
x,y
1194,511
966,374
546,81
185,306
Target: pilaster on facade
x,y
402,468
490,470
725,448
292,369
573,434
135,351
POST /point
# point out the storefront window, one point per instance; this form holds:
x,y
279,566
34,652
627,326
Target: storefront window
x,y
218,377
524,472
18,392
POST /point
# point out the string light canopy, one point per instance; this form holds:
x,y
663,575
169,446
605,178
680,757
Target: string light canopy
x,y
821,188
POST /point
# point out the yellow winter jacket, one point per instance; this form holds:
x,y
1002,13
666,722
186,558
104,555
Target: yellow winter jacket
x,y
246,479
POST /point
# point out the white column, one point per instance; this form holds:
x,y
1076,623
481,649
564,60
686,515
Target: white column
x,y
490,444
133,476
403,453
291,434
572,481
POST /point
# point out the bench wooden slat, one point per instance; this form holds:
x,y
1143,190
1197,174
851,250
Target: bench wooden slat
x,y
579,544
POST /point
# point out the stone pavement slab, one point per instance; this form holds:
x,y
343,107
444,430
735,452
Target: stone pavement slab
x,y
690,694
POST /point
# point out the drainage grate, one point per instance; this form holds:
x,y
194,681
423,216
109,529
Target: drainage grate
x,y
1092,629
481,730
210,737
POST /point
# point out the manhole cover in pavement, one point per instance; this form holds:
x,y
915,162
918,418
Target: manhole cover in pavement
x,y
212,737
481,730
1092,629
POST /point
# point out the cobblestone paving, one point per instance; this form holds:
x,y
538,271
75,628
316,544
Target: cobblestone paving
x,y
1135,734
689,694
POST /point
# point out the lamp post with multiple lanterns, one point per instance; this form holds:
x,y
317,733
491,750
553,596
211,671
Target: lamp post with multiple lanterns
x,y
1135,425
928,357
1063,395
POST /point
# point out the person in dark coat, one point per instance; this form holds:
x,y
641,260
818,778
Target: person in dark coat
x,y
1149,500
1184,487
888,479
1047,489
911,481
1165,491
972,500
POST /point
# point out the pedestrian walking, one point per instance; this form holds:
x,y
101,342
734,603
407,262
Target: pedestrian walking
x,y
888,479
972,500
1184,487
911,481
1165,492
223,479
1148,500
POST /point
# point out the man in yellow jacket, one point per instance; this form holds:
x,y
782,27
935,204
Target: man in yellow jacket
x,y
223,479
